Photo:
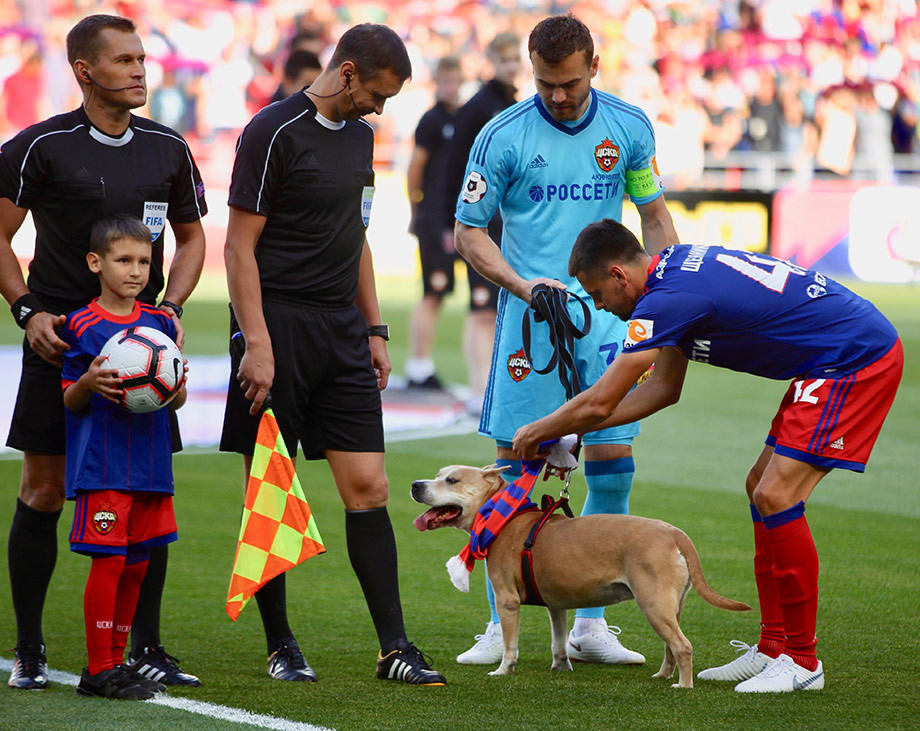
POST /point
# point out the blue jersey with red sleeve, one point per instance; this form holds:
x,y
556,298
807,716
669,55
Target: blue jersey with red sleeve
x,y
109,448
756,314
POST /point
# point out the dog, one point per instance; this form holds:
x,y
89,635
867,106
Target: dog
x,y
618,557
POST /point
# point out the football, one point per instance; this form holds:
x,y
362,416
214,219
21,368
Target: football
x,y
150,366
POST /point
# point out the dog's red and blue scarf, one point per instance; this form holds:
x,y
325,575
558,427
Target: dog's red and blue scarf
x,y
498,510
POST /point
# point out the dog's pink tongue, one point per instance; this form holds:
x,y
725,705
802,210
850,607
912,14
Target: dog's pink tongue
x,y
424,520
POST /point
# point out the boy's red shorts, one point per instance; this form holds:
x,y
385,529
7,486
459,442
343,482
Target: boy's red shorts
x,y
835,422
111,521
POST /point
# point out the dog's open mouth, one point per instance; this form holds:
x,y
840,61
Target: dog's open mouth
x,y
438,517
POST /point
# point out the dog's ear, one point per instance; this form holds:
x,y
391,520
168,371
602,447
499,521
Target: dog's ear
x,y
493,470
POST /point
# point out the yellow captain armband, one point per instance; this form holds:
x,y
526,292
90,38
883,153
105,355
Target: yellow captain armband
x,y
642,183
416,196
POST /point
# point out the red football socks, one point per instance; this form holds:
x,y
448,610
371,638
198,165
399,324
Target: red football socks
x,y
795,568
99,610
772,640
129,587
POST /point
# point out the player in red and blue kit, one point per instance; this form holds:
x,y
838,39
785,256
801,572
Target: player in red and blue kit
x,y
759,315
119,464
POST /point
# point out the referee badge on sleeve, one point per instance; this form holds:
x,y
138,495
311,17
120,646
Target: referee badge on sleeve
x,y
155,217
367,200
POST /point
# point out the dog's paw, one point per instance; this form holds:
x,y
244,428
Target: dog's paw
x,y
678,685
503,670
562,664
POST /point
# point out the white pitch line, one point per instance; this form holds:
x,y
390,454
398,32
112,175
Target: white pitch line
x,y
211,710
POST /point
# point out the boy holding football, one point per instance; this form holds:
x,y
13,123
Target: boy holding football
x,y
119,464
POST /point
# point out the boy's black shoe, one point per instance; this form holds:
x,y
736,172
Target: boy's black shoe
x,y
409,665
143,681
288,663
157,664
30,669
113,683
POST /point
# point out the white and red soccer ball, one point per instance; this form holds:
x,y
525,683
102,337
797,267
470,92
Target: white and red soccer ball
x,y
150,365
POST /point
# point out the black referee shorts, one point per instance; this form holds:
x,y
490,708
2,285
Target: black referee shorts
x,y
324,393
38,418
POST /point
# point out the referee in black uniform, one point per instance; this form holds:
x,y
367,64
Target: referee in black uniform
x,y
302,292
70,171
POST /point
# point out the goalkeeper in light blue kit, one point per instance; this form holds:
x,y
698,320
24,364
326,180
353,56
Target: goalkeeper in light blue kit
x,y
552,164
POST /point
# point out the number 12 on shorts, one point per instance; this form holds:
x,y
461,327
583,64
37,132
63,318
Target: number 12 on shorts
x,y
805,393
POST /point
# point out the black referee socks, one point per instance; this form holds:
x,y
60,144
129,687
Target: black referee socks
x,y
31,554
372,551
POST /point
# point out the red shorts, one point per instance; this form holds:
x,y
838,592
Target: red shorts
x,y
835,422
112,521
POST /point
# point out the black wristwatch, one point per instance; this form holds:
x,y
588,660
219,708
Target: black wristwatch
x,y
381,331
173,306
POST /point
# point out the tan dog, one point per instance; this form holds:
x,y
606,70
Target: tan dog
x,y
618,557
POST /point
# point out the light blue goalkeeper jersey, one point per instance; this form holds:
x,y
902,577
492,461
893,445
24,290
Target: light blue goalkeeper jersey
x,y
550,179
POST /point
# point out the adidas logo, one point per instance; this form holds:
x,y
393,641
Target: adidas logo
x,y
538,162
837,443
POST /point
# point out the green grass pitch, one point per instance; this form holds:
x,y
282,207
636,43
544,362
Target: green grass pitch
x,y
691,462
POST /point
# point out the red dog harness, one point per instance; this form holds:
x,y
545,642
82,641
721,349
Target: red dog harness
x,y
550,506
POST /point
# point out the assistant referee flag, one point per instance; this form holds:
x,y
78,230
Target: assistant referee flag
x,y
278,530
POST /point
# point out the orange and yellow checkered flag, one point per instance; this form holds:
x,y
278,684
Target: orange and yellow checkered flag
x,y
277,531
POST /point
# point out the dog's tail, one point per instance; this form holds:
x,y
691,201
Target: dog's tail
x,y
699,581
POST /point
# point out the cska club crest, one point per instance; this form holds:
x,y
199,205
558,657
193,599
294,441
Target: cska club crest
x,y
104,519
606,154
518,366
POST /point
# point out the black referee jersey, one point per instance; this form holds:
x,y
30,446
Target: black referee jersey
x,y
313,180
69,174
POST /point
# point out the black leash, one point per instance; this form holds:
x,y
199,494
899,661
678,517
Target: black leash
x,y
549,305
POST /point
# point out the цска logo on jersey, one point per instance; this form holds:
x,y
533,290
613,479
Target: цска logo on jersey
x,y
606,154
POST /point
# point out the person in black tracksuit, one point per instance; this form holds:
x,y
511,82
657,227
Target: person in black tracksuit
x,y
493,97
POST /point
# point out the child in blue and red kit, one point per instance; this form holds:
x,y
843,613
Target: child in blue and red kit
x,y
119,464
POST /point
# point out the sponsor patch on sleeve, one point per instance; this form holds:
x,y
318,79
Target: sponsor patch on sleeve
x,y
474,188
637,331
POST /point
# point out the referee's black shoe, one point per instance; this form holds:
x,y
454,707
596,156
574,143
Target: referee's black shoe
x,y
288,663
30,669
157,664
408,664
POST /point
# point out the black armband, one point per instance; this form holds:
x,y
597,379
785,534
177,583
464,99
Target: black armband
x,y
25,307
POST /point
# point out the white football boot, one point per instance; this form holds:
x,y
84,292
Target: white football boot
x,y
488,649
601,644
752,662
784,675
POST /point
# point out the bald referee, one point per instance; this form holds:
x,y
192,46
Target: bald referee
x,y
302,290
70,171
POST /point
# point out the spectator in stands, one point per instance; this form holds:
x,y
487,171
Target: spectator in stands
x,y
765,113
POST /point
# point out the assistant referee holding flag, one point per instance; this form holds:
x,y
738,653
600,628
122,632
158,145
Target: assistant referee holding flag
x,y
302,289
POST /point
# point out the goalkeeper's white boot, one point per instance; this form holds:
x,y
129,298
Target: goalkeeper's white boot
x,y
488,648
751,663
601,644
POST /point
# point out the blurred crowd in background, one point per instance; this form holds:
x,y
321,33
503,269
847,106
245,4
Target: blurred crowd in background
x,y
816,83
